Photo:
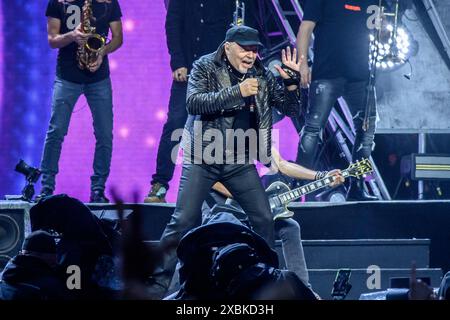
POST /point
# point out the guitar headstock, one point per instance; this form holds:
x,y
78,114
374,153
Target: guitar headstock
x,y
360,168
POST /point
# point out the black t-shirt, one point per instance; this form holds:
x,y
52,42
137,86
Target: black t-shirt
x,y
70,15
244,119
341,45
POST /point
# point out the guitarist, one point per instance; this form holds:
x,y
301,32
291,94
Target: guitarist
x,y
288,230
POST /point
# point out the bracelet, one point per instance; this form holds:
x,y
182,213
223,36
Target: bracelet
x,y
294,74
320,175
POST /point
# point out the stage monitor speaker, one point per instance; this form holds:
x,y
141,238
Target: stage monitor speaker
x,y
430,167
11,233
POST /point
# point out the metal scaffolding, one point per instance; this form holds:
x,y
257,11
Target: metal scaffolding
x,y
341,127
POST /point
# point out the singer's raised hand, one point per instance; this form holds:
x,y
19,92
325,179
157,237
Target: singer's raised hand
x,y
289,59
249,87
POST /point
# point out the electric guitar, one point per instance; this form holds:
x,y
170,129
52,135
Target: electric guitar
x,y
280,195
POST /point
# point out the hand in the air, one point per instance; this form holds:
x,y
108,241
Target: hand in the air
x,y
419,290
289,59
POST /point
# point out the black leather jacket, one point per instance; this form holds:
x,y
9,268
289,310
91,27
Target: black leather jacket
x,y
211,99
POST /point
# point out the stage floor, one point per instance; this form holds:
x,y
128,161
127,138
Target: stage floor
x,y
388,234
320,220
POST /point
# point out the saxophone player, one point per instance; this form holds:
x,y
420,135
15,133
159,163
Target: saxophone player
x,y
65,21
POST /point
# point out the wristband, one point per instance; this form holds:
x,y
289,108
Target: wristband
x,y
294,74
320,175
290,82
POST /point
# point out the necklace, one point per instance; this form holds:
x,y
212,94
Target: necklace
x,y
235,73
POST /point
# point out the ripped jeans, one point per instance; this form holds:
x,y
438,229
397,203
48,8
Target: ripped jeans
x,y
322,97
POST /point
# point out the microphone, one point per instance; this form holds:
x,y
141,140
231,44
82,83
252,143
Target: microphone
x,y
252,101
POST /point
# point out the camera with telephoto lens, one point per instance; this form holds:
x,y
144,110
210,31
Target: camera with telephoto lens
x,y
31,175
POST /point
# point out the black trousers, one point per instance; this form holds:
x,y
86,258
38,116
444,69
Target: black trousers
x,y
176,118
322,97
196,181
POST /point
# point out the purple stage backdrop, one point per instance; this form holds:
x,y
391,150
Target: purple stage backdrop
x,y
1,67
141,79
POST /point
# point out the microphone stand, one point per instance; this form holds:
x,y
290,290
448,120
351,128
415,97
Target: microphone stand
x,y
373,69
373,63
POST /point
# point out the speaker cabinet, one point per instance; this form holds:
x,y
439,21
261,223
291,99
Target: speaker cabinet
x,y
11,233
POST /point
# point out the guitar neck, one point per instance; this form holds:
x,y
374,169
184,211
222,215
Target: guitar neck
x,y
297,193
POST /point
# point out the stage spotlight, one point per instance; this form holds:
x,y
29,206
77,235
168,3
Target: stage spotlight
x,y
390,53
392,44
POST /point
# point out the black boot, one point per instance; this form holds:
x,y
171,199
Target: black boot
x,y
356,191
98,196
45,192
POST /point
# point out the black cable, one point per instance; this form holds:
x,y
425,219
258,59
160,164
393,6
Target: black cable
x,y
397,188
408,75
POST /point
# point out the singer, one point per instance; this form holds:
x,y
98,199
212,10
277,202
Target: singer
x,y
221,93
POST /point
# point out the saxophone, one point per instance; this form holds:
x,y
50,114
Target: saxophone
x,y
88,54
